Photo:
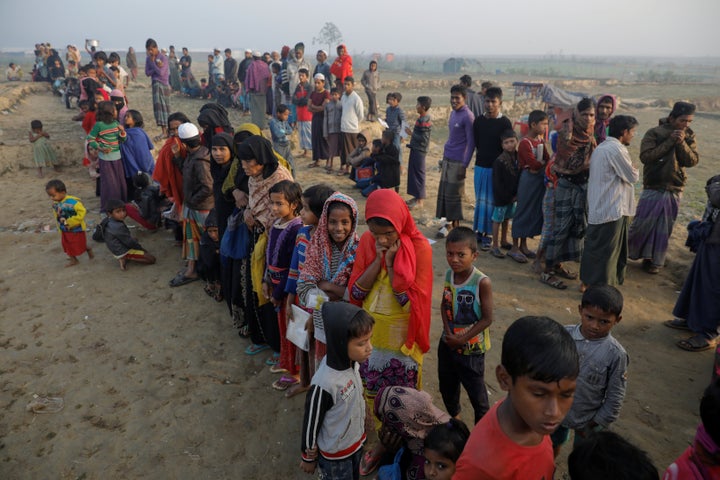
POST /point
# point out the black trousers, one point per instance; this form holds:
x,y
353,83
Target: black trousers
x,y
455,369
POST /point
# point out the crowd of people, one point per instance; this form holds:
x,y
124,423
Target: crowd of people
x,y
345,318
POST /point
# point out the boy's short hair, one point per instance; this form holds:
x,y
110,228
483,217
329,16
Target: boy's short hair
x,y
486,84
494,92
388,134
36,124
100,56
463,235
606,455
114,57
150,43
282,108
466,80
377,143
537,116
334,90
620,123
424,102
304,70
539,348
349,80
114,204
396,95
585,104
605,297
508,133
710,410
11,64
373,62
316,196
461,89
57,185
227,50
360,324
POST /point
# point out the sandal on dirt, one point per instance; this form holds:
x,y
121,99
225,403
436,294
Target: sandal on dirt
x,y
698,343
530,254
180,279
677,324
313,165
506,246
497,253
550,279
518,257
565,273
254,349
284,382
370,462
273,361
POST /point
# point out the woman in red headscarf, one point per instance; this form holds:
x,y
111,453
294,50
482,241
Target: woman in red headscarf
x,y
342,66
392,280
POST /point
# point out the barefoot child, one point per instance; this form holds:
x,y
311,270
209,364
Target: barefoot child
x,y
118,239
70,217
467,312
43,153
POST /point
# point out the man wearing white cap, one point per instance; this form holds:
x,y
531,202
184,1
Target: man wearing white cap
x,y
257,82
198,197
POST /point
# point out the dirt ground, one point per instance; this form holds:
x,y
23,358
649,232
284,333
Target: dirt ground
x,y
154,379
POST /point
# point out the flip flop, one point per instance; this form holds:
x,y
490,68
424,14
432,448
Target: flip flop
x,y
677,324
518,257
273,361
565,273
529,254
370,462
180,279
697,343
284,382
254,348
550,279
495,252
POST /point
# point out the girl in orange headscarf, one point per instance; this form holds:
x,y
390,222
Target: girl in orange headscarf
x,y
392,280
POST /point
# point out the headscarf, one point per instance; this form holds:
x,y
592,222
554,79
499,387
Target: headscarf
x,y
117,94
104,94
223,139
408,412
214,117
319,252
260,149
601,126
575,145
412,265
337,333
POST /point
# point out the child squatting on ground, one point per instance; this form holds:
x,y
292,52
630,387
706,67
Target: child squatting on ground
x,y
538,370
70,217
333,430
466,312
118,239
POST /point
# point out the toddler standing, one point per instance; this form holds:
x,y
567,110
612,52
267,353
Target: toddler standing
x,y
70,217
43,153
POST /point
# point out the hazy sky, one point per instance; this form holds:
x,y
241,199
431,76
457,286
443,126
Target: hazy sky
x,y
459,27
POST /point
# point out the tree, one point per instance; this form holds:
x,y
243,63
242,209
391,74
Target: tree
x,y
329,34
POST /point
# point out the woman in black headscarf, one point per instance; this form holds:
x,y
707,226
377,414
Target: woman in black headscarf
x,y
213,119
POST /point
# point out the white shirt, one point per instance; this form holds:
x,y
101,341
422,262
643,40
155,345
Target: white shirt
x,y
352,112
610,192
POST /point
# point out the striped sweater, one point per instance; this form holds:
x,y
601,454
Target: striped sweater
x,y
105,136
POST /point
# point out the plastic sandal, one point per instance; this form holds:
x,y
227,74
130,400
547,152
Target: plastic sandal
x,y
254,349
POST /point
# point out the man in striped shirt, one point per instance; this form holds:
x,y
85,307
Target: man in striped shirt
x,y
611,201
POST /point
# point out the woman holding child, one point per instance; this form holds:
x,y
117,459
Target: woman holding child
x,y
392,280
